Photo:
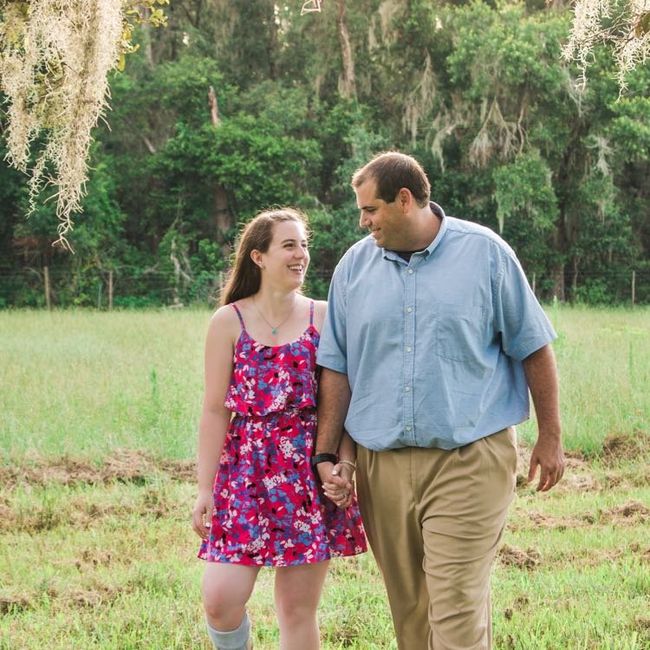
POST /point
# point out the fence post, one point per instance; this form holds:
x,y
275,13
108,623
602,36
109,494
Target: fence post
x,y
46,278
110,290
633,287
222,283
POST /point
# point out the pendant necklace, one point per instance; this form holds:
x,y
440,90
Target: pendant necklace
x,y
274,328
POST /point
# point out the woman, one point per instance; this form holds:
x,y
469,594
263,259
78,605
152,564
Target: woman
x,y
259,503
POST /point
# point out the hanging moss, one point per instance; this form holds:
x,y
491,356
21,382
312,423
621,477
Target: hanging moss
x,y
55,57
625,25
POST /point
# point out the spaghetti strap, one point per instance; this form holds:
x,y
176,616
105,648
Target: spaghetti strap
x,y
241,320
311,312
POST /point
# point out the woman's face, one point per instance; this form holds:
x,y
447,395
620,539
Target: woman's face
x,y
287,259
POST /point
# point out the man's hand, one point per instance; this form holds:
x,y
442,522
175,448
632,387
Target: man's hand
x,y
548,455
541,375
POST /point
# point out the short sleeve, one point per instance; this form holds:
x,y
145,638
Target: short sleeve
x,y
518,316
332,349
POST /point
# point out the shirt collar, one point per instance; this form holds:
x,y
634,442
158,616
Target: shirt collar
x,y
425,253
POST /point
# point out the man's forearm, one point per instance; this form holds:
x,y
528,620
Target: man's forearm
x,y
541,375
333,402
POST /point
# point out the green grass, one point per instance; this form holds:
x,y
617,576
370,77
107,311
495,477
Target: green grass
x,y
604,362
84,383
96,550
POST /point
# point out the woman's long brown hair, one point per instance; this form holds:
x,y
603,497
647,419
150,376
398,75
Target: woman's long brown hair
x,y
245,276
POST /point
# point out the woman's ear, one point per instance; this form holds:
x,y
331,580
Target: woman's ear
x,y
256,256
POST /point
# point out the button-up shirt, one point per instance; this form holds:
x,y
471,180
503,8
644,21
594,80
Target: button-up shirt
x,y
433,347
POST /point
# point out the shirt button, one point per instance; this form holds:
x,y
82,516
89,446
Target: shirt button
x,y
409,309
408,428
407,388
410,270
408,349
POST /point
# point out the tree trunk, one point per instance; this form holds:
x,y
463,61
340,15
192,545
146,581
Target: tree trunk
x,y
558,281
222,216
146,40
574,278
347,83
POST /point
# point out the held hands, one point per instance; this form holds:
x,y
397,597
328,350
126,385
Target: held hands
x,y
337,482
202,513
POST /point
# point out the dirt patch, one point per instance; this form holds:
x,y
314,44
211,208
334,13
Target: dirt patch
x,y
632,510
512,556
95,557
642,552
93,595
549,522
618,448
81,511
124,465
13,604
635,476
88,597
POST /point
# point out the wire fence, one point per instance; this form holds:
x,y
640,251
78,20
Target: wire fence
x,y
132,287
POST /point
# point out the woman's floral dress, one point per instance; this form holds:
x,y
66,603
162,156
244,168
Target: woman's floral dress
x,y
269,509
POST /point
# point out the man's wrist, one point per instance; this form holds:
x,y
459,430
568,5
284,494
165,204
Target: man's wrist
x,y
316,459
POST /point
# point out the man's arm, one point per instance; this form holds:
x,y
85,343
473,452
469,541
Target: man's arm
x,y
541,375
333,401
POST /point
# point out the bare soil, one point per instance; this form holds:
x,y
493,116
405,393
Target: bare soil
x,y
124,465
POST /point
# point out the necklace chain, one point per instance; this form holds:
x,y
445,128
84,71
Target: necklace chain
x,y
274,328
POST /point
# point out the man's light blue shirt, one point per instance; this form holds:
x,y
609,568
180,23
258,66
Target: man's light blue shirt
x,y
433,347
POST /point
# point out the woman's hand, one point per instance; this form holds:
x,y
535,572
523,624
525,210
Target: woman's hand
x,y
341,486
202,514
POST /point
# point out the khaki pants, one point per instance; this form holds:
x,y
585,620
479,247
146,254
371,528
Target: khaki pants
x,y
433,520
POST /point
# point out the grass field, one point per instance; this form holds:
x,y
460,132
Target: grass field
x,y
97,431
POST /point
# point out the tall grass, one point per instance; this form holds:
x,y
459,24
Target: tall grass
x,y
604,364
84,383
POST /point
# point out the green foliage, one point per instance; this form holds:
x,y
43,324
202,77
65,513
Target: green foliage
x,y
523,190
476,91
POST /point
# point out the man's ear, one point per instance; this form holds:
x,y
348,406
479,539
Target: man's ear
x,y
404,198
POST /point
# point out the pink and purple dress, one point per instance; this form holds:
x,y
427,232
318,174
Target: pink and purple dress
x,y
269,509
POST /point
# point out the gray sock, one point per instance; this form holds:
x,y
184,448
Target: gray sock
x,y
232,640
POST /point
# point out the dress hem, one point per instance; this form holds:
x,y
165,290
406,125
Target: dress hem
x,y
275,565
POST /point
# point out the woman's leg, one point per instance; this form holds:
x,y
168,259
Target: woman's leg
x,y
226,589
297,592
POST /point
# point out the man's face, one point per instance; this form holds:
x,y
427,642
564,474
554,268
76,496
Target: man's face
x,y
385,221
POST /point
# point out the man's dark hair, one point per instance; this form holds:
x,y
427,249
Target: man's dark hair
x,y
391,171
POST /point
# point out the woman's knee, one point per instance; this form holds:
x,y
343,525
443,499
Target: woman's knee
x,y
298,590
225,596
218,600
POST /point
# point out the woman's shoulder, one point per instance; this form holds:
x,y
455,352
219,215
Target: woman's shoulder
x,y
225,322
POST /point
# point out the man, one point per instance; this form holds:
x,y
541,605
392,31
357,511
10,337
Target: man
x,y
432,340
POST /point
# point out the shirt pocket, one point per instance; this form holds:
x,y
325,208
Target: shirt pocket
x,y
460,331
